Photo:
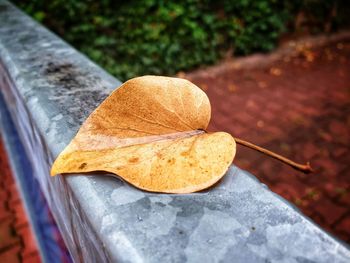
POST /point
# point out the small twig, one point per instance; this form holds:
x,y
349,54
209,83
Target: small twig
x,y
305,168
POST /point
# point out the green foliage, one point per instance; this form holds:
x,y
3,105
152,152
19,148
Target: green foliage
x,y
131,38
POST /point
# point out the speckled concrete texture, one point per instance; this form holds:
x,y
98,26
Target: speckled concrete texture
x,y
50,89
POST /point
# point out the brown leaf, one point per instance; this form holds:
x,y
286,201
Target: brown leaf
x,y
275,71
150,132
232,87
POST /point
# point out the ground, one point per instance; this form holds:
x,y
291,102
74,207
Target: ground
x,y
17,243
298,106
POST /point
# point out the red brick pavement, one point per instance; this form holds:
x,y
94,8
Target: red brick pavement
x,y
299,107
17,243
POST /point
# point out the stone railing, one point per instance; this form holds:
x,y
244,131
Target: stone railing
x,y
47,90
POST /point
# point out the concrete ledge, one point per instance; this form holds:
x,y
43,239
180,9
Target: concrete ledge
x,y
49,89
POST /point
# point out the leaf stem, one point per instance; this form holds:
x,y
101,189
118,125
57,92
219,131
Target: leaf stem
x,y
305,168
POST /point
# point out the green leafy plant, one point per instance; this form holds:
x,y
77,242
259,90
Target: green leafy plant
x,y
130,38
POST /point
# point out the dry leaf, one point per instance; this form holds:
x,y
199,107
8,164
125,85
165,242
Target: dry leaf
x,y
275,71
150,132
232,87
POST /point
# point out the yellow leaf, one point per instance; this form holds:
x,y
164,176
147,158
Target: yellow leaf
x,y
150,132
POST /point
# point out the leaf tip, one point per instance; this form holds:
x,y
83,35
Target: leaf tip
x,y
54,171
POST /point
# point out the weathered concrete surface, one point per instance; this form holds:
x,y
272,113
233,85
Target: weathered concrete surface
x,y
50,89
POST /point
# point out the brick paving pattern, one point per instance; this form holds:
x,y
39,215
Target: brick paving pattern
x,y
17,243
298,107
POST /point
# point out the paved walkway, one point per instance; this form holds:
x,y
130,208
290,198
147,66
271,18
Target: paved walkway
x,y
299,107
17,243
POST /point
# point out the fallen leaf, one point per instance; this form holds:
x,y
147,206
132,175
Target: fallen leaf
x,y
150,132
309,55
232,87
275,71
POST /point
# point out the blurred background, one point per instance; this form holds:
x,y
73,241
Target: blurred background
x,y
277,74
131,38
